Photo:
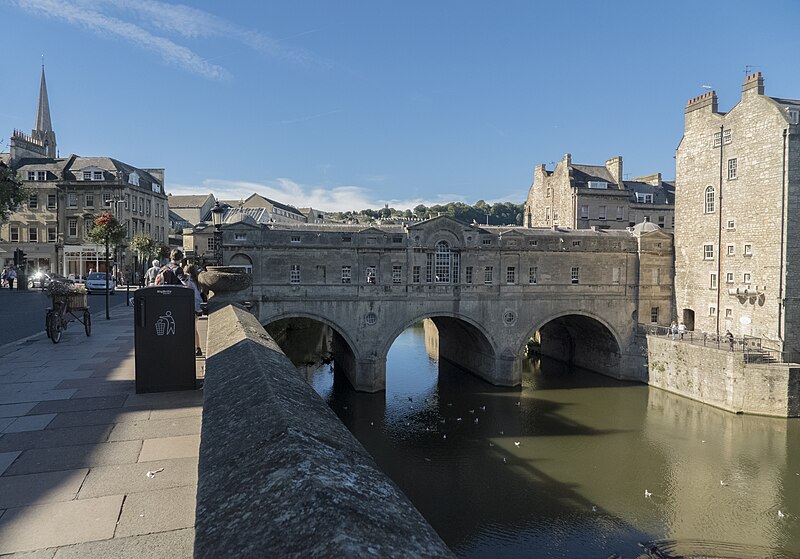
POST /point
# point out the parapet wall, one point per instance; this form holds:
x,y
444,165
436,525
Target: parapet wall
x,y
279,474
720,377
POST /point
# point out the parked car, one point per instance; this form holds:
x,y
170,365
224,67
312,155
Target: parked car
x,y
96,283
39,279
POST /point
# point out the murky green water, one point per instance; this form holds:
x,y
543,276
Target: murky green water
x,y
559,468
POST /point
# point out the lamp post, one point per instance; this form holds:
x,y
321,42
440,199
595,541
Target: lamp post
x,y
217,213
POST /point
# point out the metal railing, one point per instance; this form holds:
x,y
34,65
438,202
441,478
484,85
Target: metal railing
x,y
751,347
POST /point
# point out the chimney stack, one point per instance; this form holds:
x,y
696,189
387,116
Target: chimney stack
x,y
753,83
614,166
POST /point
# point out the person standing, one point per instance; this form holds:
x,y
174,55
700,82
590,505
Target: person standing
x,y
729,337
192,282
681,330
152,272
11,276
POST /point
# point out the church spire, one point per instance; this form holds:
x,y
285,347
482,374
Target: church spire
x,y
44,128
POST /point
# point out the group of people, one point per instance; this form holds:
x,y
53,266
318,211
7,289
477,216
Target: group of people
x,y
176,273
8,276
680,329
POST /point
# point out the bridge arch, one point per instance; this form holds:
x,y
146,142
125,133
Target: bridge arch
x,y
344,350
578,338
462,341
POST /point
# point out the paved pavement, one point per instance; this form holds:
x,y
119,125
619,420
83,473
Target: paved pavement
x,y
88,468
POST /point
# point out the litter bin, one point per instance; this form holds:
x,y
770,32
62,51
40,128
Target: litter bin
x,y
164,338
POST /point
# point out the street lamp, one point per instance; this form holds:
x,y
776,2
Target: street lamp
x,y
217,213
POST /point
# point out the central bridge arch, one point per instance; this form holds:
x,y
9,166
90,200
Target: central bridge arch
x,y
578,338
462,341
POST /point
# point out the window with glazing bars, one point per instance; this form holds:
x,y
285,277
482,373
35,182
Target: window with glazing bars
x,y
443,262
397,274
294,273
347,274
532,273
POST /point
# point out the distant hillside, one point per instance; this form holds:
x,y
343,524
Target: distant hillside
x,y
504,213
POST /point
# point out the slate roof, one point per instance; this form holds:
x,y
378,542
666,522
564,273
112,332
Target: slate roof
x,y
77,163
664,194
582,174
188,201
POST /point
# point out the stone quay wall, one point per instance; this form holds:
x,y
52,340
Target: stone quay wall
x,y
279,474
720,377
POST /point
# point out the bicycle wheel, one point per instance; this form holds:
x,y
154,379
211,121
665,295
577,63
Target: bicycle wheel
x,y
47,323
87,322
54,327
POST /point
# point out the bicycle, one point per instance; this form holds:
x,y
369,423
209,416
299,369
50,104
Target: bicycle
x,y
63,312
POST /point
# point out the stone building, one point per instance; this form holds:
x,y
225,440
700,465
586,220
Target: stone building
x,y
66,194
737,220
190,209
584,196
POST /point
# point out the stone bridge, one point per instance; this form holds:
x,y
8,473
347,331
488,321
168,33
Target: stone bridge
x,y
488,290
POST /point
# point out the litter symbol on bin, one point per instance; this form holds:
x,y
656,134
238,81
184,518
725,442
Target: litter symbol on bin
x,y
165,325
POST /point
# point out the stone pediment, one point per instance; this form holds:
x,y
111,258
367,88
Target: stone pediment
x,y
427,233
245,224
372,229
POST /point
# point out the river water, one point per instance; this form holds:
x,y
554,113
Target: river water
x,y
560,467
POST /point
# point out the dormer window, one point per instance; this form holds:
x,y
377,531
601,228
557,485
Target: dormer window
x,y
794,116
97,175
133,179
601,185
644,198
87,175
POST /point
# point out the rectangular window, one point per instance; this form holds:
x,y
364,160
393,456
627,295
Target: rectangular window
x,y
127,201
72,200
141,205
456,268
295,239
487,275
33,235
533,242
730,250
731,224
732,169
347,274
347,239
397,274
415,274
41,175
620,213
106,199
729,277
555,215
429,268
486,241
33,201
602,185
13,233
371,278
748,250
656,276
397,239
51,201
728,313
708,252
72,227
31,175
51,234
468,274
654,315
712,281
712,311
511,275
661,220
601,214
547,213
726,137
87,175
717,140
549,191
212,243
746,277
294,273
576,243
584,211
89,201
575,274
240,236
147,209
532,273
87,227
97,175
615,273
133,204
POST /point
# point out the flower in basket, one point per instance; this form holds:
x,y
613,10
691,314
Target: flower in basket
x,y
61,289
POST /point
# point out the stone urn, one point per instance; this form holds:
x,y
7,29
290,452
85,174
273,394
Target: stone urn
x,y
223,280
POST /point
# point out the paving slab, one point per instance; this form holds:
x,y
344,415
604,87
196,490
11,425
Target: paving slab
x,y
165,399
156,428
170,447
38,554
75,456
54,374
16,491
165,545
182,411
16,410
132,478
30,423
22,396
80,404
6,459
127,385
56,524
49,438
97,417
157,511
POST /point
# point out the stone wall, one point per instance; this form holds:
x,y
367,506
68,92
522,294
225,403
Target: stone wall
x,y
279,475
720,377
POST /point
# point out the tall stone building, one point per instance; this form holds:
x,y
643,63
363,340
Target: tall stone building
x,y
51,227
585,196
737,221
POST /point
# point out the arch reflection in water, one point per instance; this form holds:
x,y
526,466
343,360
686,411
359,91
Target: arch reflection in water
x,y
586,441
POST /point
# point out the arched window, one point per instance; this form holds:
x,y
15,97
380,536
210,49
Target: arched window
x,y
442,262
710,200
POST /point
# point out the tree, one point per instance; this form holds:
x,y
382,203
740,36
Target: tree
x,y
108,231
144,247
12,193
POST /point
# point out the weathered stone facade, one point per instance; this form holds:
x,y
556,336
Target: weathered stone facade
x,y
487,289
736,235
585,196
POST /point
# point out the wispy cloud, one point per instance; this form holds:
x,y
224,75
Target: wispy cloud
x,y
153,20
335,199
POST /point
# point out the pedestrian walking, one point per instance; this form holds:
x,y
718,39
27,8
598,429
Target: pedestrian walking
x,y
11,276
152,272
192,282
673,328
681,330
729,337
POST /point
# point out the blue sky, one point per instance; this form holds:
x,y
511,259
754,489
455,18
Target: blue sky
x,y
346,105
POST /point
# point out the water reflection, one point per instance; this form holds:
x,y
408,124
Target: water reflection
x,y
588,448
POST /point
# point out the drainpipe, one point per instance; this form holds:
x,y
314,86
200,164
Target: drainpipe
x,y
719,227
783,225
